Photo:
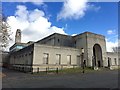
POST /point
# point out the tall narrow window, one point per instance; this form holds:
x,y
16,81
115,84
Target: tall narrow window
x,y
45,58
115,61
58,40
110,61
58,58
68,59
75,44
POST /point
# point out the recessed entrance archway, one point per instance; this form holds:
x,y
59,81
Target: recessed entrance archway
x,y
97,54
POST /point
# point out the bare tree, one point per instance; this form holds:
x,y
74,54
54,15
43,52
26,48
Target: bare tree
x,y
5,33
116,49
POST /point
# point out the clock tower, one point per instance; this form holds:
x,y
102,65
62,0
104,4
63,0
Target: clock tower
x,y
18,36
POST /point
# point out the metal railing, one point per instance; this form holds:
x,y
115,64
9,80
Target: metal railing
x,y
36,68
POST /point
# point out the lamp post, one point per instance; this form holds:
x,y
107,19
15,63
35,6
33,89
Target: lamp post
x,y
93,62
82,49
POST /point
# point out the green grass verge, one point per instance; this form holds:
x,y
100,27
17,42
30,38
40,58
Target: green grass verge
x,y
67,70
75,70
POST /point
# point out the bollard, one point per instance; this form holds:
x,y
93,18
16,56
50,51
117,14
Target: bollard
x,y
31,70
46,70
24,69
19,68
57,70
83,69
38,70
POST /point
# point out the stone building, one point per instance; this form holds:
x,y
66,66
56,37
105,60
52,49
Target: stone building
x,y
113,60
62,51
4,58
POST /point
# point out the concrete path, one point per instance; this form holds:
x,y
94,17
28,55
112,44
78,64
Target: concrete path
x,y
102,79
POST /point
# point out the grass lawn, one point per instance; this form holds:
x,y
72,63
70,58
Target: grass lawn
x,y
75,70
72,71
67,70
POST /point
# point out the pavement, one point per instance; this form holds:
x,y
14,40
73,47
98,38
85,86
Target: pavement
x,y
99,79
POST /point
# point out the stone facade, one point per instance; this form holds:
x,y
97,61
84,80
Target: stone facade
x,y
87,41
58,40
113,60
63,51
4,58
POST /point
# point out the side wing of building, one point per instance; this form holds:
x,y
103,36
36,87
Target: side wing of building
x,y
22,57
54,56
44,56
113,59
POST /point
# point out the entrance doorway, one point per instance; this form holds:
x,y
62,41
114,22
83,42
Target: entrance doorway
x,y
97,54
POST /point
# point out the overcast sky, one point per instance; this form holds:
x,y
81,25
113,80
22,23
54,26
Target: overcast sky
x,y
40,19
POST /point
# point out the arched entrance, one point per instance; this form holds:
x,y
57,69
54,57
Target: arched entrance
x,y
97,54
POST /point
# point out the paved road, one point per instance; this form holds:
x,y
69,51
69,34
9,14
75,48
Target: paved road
x,y
102,79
